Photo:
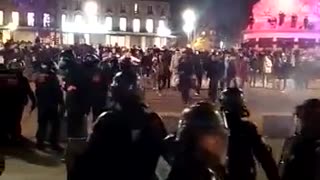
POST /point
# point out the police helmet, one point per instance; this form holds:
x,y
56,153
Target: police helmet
x,y
68,54
125,87
232,101
48,67
201,118
66,57
17,65
309,113
90,59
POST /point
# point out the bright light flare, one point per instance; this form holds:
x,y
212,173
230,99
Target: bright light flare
x,y
189,16
12,26
188,28
91,8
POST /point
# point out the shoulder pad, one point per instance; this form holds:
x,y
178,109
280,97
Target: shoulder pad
x,y
105,117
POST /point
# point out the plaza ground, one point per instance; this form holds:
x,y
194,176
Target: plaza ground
x,y
29,164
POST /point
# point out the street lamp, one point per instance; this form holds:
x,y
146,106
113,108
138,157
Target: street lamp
x,y
189,18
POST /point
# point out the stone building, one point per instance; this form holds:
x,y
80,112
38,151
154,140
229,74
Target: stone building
x,y
126,22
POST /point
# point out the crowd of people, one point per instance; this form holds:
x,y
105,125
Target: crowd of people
x,y
210,142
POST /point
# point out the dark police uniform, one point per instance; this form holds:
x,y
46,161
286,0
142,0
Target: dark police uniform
x,y
50,96
18,99
8,82
126,141
244,142
77,94
191,162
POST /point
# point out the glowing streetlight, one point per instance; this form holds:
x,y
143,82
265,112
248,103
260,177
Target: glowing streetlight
x,y
91,8
189,18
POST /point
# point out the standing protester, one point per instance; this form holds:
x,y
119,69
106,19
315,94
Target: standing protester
x,y
198,70
203,138
215,70
126,141
50,100
244,142
185,70
174,67
302,155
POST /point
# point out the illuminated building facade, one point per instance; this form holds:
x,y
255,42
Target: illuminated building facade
x,y
28,19
284,23
126,22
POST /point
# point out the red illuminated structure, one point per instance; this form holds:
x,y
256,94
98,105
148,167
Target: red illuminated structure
x,y
284,23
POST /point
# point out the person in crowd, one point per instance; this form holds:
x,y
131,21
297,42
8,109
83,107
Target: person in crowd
x,y
215,70
242,70
198,70
185,71
267,70
245,144
174,67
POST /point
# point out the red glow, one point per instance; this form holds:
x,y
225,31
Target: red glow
x,y
268,9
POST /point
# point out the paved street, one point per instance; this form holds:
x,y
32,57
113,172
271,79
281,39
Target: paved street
x,y
32,165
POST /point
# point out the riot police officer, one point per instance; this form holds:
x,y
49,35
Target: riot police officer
x,y
203,138
98,84
76,85
244,142
301,158
126,141
19,99
50,98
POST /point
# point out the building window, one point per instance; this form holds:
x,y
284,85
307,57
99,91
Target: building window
x,y
63,19
30,19
15,18
163,12
136,8
78,5
109,23
161,23
136,25
109,10
46,20
150,10
123,24
123,8
64,5
1,17
149,25
78,19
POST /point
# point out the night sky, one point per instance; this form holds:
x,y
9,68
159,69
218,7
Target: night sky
x,y
228,17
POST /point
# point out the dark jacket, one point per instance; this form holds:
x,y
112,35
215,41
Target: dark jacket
x,y
244,144
48,90
187,167
125,144
302,160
